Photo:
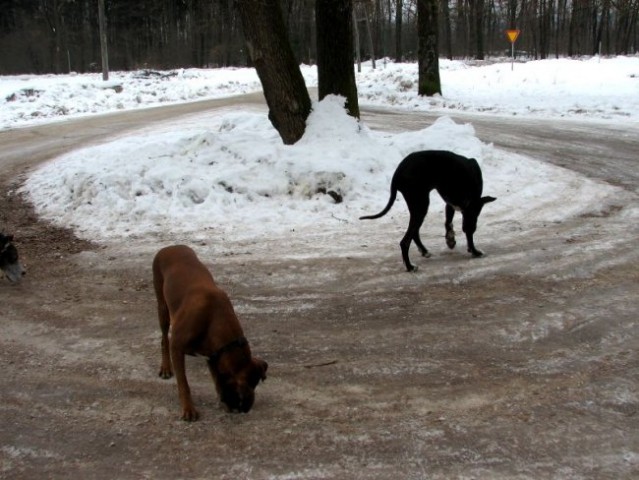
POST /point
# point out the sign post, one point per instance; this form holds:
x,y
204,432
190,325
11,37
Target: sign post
x,y
512,38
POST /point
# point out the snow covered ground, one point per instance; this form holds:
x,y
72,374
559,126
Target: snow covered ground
x,y
229,173
594,87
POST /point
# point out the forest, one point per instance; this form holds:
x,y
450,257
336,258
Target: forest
x,y
61,36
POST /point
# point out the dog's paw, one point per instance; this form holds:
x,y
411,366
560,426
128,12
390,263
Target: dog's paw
x,y
165,373
450,239
477,253
412,269
190,414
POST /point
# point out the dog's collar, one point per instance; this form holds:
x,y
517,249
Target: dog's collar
x,y
237,343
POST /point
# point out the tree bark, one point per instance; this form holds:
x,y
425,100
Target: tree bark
x,y
428,50
269,49
335,69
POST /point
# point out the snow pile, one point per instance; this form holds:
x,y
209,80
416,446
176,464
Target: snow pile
x,y
237,178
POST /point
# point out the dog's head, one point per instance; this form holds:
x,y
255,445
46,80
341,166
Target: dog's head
x,y
238,392
471,214
9,261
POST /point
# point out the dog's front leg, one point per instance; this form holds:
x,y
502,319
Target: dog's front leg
x,y
189,413
471,246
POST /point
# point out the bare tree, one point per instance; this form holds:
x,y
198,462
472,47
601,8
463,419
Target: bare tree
x,y
477,28
627,30
448,32
399,7
43,36
428,50
104,51
335,70
268,46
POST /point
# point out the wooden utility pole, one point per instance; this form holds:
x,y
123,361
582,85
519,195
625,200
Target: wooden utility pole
x,y
103,40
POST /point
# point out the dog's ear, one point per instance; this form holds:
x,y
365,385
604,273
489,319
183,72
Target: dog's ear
x,y
258,372
485,200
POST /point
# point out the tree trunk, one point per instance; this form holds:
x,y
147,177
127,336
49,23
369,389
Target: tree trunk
x,y
448,31
335,70
369,35
358,48
428,52
398,30
284,89
462,28
477,28
104,51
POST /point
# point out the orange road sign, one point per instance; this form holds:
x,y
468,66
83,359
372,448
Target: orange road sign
x,y
512,35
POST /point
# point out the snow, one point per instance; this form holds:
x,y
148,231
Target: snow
x,y
226,177
593,87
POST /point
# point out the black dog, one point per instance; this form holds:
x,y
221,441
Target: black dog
x,y
9,262
459,182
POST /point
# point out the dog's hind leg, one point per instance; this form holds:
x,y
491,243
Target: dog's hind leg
x,y
418,209
450,232
418,241
165,324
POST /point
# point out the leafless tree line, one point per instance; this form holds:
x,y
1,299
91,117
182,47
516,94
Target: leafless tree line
x,y
39,36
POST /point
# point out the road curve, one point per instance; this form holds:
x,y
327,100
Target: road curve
x,y
28,146
600,150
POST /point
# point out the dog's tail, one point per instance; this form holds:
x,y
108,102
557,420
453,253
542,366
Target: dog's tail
x,y
391,201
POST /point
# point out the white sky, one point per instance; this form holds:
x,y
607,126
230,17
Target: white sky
x,y
225,178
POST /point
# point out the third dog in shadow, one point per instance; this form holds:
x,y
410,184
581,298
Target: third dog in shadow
x,y
459,182
9,261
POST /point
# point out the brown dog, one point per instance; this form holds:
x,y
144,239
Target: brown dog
x,y
202,322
